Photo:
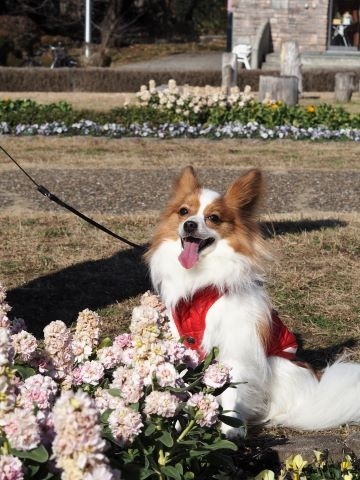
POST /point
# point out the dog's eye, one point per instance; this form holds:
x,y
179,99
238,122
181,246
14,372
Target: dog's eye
x,y
214,218
183,211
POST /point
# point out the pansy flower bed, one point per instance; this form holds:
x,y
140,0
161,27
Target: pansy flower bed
x,y
172,112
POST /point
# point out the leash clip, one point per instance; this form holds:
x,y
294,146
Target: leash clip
x,y
44,191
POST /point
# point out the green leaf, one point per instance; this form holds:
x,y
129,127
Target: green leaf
x,y
24,371
115,392
171,472
222,444
185,389
146,474
33,470
189,476
166,439
39,454
105,415
150,429
105,342
198,453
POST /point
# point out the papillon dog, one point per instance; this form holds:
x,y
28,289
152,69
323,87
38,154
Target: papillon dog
x,y
206,262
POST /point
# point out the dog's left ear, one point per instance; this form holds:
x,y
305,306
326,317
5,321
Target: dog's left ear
x,y
245,192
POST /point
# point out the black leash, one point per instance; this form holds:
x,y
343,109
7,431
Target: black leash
x,y
44,191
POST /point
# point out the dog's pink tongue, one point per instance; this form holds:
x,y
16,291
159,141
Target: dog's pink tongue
x,y
190,254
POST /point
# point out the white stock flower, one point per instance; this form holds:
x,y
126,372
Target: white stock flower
x,y
21,429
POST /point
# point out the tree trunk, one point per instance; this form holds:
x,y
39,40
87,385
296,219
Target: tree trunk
x,y
279,88
290,62
344,86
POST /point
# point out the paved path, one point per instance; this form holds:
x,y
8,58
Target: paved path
x,y
182,61
121,190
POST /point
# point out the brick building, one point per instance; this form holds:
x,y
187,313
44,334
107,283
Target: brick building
x,y
317,25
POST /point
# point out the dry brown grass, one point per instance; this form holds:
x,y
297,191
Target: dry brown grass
x,y
69,152
54,265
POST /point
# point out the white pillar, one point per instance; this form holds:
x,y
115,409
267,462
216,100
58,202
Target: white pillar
x,y
87,27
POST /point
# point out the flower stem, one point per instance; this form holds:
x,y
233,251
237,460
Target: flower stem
x,y
186,431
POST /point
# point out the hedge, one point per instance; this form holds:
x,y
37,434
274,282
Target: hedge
x,y
117,80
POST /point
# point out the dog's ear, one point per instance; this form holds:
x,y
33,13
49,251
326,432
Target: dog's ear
x,y
187,182
244,193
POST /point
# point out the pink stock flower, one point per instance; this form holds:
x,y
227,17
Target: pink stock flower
x,y
87,333
6,348
4,308
216,375
39,391
145,322
207,408
123,341
57,344
21,429
81,350
110,357
191,358
125,425
163,404
166,375
153,301
91,372
175,351
130,384
25,345
10,468
104,400
78,447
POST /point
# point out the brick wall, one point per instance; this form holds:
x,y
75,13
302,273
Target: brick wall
x,y
305,22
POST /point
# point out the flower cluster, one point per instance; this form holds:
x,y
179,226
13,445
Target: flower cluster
x,y
78,446
235,129
191,102
85,408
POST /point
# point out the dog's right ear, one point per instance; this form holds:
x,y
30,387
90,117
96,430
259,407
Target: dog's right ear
x,y
187,182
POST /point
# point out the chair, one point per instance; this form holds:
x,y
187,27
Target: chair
x,y
243,53
340,31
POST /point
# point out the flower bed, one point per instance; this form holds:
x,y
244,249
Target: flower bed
x,y
172,111
78,407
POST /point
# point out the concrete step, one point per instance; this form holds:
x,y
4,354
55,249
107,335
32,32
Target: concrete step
x,y
329,60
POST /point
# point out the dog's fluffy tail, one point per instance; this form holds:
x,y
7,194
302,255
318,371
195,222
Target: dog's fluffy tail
x,y
301,401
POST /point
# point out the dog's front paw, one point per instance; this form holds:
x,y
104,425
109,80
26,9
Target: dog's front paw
x,y
233,433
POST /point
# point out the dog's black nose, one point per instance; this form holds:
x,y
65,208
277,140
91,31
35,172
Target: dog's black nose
x,y
190,226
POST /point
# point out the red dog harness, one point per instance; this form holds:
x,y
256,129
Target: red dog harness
x,y
189,317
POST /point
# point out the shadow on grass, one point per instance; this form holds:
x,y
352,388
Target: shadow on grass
x,y
99,283
92,284
320,357
284,227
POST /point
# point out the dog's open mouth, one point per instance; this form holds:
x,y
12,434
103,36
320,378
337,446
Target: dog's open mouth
x,y
192,246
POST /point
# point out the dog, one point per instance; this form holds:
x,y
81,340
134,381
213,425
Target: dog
x,y
206,261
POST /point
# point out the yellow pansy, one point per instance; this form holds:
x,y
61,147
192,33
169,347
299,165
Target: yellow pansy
x,y
296,463
265,475
346,463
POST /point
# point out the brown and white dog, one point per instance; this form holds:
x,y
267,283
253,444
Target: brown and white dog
x,y
206,262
